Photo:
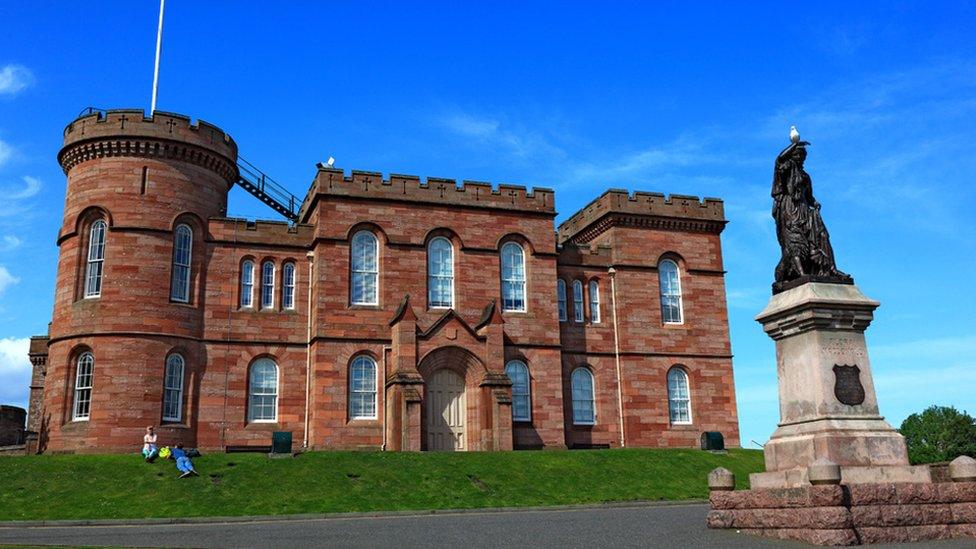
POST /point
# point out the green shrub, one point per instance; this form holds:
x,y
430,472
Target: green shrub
x,y
940,433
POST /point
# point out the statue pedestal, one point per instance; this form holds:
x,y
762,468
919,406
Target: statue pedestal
x,y
828,407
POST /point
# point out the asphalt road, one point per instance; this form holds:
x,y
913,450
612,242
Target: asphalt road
x,y
677,526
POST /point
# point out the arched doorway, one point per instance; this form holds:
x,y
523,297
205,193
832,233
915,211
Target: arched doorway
x,y
446,411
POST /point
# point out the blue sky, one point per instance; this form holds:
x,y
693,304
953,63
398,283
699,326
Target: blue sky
x,y
670,97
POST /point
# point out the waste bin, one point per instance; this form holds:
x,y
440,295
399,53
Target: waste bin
x,y
281,442
712,440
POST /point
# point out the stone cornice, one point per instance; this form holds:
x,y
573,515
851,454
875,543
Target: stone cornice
x,y
616,219
146,147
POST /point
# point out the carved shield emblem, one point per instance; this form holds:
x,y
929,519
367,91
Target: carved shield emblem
x,y
847,384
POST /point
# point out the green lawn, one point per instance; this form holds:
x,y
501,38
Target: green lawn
x,y
89,487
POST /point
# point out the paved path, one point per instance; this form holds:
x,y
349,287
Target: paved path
x,y
678,526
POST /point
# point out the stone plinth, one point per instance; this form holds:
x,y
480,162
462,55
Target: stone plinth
x,y
828,407
850,515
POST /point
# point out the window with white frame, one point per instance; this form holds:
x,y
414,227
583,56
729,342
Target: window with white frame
x,y
262,395
440,274
513,277
594,301
679,397
267,285
84,376
561,299
288,286
577,301
584,408
173,388
365,269
518,373
247,283
96,259
362,388
179,289
670,292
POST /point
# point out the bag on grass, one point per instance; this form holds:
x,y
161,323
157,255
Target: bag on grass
x,y
164,452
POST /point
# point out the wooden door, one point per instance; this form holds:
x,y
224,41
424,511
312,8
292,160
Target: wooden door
x,y
446,411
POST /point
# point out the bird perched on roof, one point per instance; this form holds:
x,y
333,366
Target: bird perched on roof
x,y
794,135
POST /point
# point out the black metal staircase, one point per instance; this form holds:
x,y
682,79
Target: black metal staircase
x,y
267,190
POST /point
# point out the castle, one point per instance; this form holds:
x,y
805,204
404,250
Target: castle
x,y
393,314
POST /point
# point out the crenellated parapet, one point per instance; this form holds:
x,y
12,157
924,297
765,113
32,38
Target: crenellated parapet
x,y
130,133
618,207
433,190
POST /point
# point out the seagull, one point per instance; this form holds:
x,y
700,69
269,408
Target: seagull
x,y
794,135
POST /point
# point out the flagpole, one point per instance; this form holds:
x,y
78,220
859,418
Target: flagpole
x,y
159,42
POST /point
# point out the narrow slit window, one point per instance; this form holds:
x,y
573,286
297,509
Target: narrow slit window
x,y
288,286
84,376
362,388
577,301
247,284
262,399
173,388
365,269
513,278
594,301
671,307
440,274
518,373
561,299
584,406
179,290
267,285
679,397
96,259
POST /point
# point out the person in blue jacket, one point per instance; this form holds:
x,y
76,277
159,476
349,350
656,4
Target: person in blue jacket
x,y
183,462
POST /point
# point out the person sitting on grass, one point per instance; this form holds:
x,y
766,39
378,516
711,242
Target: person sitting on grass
x,y
183,462
149,444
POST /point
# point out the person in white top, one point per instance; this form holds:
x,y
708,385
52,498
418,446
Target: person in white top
x,y
149,444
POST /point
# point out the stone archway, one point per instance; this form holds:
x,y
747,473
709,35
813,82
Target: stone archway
x,y
452,399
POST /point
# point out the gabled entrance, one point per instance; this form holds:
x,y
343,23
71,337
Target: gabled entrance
x,y
446,411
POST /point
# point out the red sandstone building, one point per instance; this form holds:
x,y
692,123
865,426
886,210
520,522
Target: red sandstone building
x,y
391,313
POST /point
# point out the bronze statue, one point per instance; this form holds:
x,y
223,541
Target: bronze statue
x,y
802,235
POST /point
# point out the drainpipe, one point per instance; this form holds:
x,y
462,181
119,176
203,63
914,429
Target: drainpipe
x,y
616,353
308,349
386,351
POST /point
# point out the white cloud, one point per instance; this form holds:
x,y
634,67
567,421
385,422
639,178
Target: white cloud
x,y
32,186
10,242
6,152
6,279
15,370
14,79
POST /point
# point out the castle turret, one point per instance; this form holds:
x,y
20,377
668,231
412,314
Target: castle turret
x,y
128,311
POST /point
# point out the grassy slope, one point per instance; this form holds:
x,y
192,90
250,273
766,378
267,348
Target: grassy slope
x,y
76,487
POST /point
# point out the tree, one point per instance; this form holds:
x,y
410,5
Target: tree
x,y
940,433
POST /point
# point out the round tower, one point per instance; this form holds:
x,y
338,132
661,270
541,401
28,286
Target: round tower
x,y
125,349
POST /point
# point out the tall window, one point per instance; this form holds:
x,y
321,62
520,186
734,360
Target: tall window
x,y
173,389
247,283
440,274
84,372
96,259
365,269
267,285
179,289
262,397
594,301
577,301
518,372
362,388
679,398
561,299
584,410
513,277
288,286
670,292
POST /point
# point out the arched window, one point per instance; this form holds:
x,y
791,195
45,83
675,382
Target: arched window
x,y
594,301
173,389
362,388
288,286
440,274
518,372
670,292
561,299
179,289
365,269
247,283
513,277
96,259
584,409
679,398
577,301
84,373
267,285
262,397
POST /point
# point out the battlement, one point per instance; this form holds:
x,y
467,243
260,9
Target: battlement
x,y
680,212
129,132
433,190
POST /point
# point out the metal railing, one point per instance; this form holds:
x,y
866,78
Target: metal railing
x,y
267,190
